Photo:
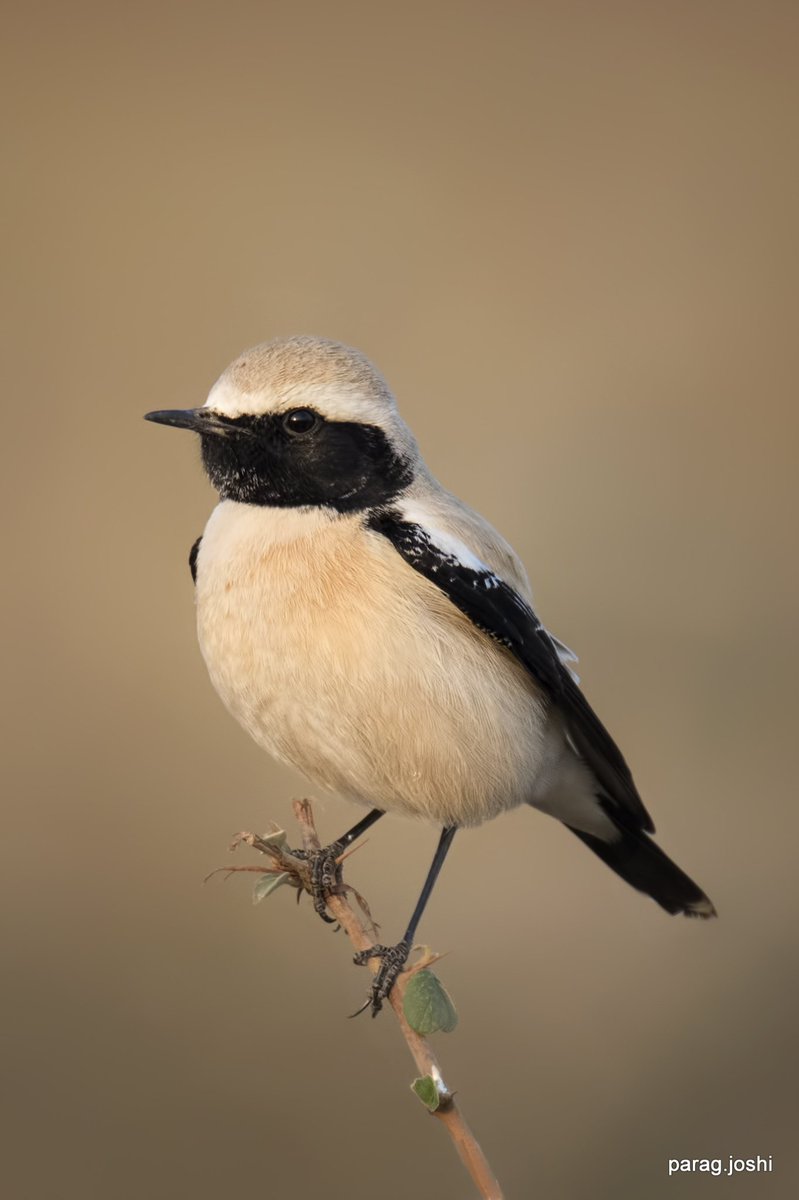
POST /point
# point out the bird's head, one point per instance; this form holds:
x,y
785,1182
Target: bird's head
x,y
302,421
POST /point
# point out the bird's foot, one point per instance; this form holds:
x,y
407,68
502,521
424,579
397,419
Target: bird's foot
x,y
324,869
394,959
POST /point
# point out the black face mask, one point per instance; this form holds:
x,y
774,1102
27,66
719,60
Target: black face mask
x,y
295,459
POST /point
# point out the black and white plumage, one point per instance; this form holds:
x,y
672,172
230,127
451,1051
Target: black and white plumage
x,y
368,628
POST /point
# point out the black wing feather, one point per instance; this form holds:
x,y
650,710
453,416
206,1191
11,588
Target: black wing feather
x,y
195,550
495,608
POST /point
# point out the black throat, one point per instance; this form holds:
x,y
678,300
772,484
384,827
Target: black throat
x,y
339,464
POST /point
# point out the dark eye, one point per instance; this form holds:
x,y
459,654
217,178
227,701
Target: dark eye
x,y
299,421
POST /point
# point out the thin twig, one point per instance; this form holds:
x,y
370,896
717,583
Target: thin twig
x,y
448,1112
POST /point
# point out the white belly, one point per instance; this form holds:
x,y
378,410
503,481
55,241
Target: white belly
x,y
344,662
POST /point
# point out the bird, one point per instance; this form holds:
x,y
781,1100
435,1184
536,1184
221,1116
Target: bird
x,y
372,631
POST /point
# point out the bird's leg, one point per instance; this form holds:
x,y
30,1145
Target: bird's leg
x,y
394,957
324,867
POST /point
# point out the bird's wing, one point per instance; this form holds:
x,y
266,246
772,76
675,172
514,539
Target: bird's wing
x,y
498,609
435,508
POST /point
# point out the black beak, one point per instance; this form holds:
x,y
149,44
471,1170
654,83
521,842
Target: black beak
x,y
200,420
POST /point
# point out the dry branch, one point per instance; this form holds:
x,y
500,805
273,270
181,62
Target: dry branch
x,y
448,1112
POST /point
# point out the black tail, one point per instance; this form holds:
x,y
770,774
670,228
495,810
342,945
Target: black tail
x,y
643,865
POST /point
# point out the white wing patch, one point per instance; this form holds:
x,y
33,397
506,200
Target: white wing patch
x,y
565,655
447,543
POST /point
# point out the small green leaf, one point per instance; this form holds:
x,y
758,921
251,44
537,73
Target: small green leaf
x,y
428,1093
427,1006
267,884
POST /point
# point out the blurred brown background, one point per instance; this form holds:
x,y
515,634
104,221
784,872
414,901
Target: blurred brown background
x,y
565,232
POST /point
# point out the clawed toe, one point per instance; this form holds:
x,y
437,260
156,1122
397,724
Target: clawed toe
x,y
393,961
325,871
